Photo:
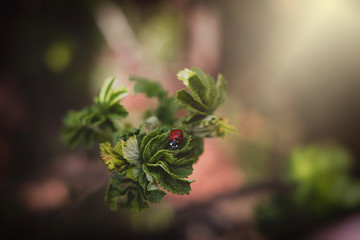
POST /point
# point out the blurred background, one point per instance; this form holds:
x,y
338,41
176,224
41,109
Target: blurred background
x,y
293,71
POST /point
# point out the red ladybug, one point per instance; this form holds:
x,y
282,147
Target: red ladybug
x,y
176,137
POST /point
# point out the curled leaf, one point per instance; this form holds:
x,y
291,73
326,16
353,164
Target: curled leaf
x,y
97,122
112,158
125,193
213,126
173,184
168,167
205,95
130,150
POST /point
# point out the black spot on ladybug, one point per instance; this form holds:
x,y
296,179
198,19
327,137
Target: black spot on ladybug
x,y
174,144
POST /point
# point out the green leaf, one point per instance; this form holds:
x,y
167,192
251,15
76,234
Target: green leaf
x,y
155,196
208,81
98,121
160,143
114,191
149,177
177,157
167,107
72,136
112,157
181,167
138,202
166,111
212,89
164,164
178,172
95,119
124,193
116,111
76,118
193,150
186,100
107,102
117,96
206,96
203,77
126,133
213,126
156,144
148,87
221,95
193,119
157,131
106,89
151,189
168,182
130,150
198,88
142,179
76,128
185,75
119,148
183,170
133,172
223,128
160,155
108,96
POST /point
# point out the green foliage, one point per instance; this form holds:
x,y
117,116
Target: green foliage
x,y
112,157
167,106
97,122
206,95
140,159
108,100
204,98
320,190
213,126
161,165
168,167
146,86
123,192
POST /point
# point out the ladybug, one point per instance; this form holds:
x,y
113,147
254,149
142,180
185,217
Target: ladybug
x,y
176,137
